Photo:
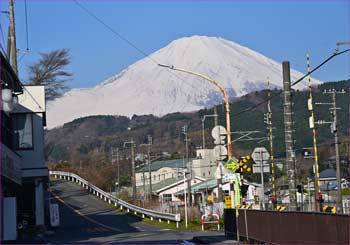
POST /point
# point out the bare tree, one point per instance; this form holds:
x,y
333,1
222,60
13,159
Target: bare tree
x,y
48,71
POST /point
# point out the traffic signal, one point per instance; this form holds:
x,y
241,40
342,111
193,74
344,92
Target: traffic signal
x,y
244,190
300,188
306,153
184,129
266,118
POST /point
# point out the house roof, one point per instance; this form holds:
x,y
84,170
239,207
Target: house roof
x,y
208,184
176,182
176,163
164,183
328,173
8,75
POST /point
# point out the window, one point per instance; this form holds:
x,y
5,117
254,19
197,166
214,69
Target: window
x,y
203,174
22,131
166,197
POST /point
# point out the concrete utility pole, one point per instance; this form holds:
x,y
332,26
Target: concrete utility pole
x,y
216,119
289,139
133,179
149,143
118,172
334,129
203,120
189,179
12,48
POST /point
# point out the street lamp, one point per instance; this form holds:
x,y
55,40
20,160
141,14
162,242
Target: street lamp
x,y
227,108
203,119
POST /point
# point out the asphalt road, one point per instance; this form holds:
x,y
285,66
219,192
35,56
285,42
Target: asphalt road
x,y
85,218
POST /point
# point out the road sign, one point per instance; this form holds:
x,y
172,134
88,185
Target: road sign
x,y
260,154
228,201
257,168
230,177
220,152
218,132
220,141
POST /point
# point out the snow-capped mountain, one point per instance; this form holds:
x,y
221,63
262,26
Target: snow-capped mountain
x,y
146,88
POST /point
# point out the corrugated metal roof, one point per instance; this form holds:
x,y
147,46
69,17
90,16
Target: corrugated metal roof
x,y
176,163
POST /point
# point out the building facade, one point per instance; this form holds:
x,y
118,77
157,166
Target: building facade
x,y
24,173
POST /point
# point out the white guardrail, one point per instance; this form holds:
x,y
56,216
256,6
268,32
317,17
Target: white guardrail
x,y
113,200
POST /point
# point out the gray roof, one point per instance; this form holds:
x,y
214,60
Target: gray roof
x,y
176,163
208,184
328,173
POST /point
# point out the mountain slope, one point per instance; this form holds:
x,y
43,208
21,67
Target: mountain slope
x,y
146,88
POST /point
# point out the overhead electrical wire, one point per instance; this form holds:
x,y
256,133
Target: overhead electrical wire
x,y
149,57
90,13
294,83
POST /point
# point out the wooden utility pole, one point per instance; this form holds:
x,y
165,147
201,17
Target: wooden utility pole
x,y
11,45
289,139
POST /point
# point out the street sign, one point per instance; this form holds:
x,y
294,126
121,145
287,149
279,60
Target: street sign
x,y
260,154
230,177
219,132
220,152
220,141
228,201
257,168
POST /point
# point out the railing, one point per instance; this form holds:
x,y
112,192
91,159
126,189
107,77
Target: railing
x,y
113,200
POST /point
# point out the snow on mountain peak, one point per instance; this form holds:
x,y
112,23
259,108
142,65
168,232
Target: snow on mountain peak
x,y
146,88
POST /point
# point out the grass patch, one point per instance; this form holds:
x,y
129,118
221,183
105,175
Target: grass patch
x,y
191,225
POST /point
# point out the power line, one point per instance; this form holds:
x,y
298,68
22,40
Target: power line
x,y
90,13
294,83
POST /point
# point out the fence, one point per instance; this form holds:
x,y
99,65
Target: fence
x,y
288,227
117,202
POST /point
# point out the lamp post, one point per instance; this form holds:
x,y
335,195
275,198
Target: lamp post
x,y
203,119
227,108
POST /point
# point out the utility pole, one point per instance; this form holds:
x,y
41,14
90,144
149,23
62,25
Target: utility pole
x,y
149,144
133,180
203,120
216,119
269,122
118,172
312,126
12,48
334,130
289,139
189,179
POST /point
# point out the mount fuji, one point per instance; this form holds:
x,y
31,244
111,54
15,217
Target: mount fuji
x,y
146,88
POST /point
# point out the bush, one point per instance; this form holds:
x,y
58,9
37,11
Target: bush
x,y
345,192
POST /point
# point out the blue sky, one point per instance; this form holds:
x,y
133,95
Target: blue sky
x,y
283,30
